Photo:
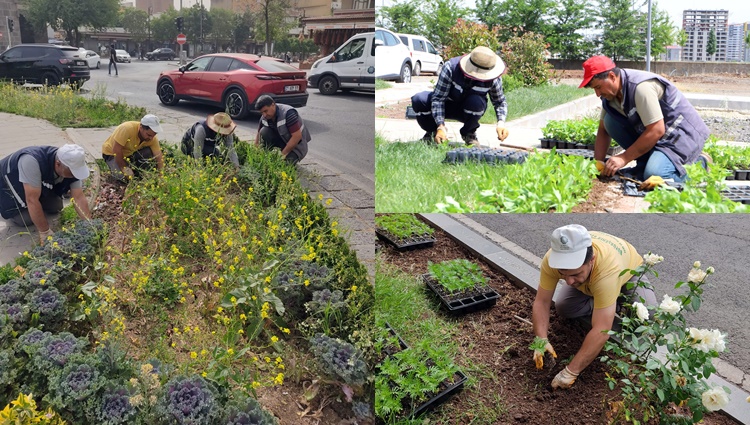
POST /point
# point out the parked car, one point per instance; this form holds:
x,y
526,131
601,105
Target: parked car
x,y
163,53
44,64
92,58
393,59
423,54
351,66
122,56
233,82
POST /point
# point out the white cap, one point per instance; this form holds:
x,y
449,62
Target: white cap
x,y
569,244
152,122
74,157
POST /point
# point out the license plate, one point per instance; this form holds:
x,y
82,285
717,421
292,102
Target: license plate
x,y
80,63
291,88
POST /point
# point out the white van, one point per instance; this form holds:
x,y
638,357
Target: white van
x,y
351,66
425,56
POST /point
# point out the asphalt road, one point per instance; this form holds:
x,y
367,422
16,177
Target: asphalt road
x,y
718,240
341,125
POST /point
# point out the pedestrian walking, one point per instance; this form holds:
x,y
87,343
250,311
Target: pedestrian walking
x,y
113,59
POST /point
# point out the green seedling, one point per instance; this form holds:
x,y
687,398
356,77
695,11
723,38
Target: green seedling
x,y
403,226
457,275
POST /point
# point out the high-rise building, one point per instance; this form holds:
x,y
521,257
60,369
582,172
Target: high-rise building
x,y
737,49
698,25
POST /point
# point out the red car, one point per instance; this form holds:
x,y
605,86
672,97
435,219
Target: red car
x,y
233,82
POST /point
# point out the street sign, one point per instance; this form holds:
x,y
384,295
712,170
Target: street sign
x,y
181,38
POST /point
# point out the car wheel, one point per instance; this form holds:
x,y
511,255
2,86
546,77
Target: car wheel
x,y
417,69
98,64
405,76
50,79
235,103
328,85
167,94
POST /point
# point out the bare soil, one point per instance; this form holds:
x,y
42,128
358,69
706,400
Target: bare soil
x,y
496,342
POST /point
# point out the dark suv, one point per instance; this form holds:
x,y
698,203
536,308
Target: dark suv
x,y
44,64
163,53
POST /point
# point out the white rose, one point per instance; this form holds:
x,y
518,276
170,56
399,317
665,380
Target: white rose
x,y
696,275
698,336
652,259
697,265
715,399
669,305
641,311
710,270
714,340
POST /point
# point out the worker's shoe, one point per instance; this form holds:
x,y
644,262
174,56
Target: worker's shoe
x,y
429,137
705,159
471,139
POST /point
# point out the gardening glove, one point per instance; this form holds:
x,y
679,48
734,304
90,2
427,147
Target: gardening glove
x,y
599,166
43,235
502,133
128,172
565,379
441,136
651,183
539,355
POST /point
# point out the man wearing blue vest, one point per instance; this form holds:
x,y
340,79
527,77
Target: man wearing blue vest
x,y
33,181
281,127
461,94
646,114
204,138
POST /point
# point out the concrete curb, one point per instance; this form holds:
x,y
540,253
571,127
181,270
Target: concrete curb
x,y
523,275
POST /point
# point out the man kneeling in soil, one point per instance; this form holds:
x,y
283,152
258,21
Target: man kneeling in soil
x,y
590,264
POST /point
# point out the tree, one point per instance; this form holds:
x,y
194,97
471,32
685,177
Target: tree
x,y
565,36
682,37
135,21
163,28
620,25
197,25
519,16
223,21
69,15
663,33
711,44
439,17
271,22
243,28
401,17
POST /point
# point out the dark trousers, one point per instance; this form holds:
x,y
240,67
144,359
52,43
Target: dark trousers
x,y
142,159
112,62
187,148
270,138
467,111
51,204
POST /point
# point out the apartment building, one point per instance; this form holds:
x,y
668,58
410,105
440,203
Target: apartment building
x,y
737,50
698,24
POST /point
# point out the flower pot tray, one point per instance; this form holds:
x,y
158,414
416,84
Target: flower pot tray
x,y
577,152
407,244
740,175
737,194
443,395
465,302
486,155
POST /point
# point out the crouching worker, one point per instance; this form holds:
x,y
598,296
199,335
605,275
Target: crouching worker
x,y
132,147
281,127
590,263
205,137
33,181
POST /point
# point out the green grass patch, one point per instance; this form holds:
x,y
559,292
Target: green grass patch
x,y
65,107
382,84
530,100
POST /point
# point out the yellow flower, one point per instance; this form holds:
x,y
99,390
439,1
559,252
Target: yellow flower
x,y
354,288
193,355
274,339
230,351
256,384
285,330
279,379
243,317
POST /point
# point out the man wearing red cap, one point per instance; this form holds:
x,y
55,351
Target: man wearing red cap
x,y
461,94
650,118
590,264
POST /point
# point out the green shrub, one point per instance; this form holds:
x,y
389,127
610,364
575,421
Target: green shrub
x,y
7,272
466,35
525,57
22,411
510,83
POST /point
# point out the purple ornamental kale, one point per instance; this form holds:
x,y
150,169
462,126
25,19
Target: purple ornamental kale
x,y
18,315
189,401
49,303
339,358
326,300
249,412
55,351
31,340
362,410
12,291
115,407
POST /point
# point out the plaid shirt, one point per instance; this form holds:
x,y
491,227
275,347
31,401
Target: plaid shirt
x,y
443,88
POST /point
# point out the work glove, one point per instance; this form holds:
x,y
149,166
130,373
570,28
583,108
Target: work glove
x,y
43,235
599,166
441,136
565,379
502,133
539,355
651,183
128,172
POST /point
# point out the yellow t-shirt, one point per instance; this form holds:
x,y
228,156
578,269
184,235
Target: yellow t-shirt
x,y
613,255
126,135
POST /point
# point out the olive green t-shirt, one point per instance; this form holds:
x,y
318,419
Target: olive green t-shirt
x,y
647,96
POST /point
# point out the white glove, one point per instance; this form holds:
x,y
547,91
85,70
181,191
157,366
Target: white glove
x,y
44,235
565,379
539,355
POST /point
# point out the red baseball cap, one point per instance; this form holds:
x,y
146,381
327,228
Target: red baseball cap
x,y
595,65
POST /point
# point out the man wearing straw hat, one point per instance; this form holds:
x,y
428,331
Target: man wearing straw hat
x,y
33,181
461,94
205,137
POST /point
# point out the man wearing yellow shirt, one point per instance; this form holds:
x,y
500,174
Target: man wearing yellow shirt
x,y
133,145
590,264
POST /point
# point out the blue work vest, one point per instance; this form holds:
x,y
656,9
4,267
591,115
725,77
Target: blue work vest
x,y
280,126
463,86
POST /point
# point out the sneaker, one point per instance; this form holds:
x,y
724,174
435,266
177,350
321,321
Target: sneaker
x,y
471,139
705,160
429,137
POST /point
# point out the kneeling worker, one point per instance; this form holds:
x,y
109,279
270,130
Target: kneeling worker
x,y
281,127
133,146
205,137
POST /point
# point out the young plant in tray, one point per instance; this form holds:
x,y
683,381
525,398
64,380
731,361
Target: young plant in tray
x,y
457,275
403,226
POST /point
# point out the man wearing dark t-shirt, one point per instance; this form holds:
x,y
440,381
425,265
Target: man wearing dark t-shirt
x,y
281,127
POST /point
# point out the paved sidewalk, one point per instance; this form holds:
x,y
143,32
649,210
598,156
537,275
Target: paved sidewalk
x,y
352,207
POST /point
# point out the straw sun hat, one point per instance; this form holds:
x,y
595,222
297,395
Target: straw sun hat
x,y
482,64
221,123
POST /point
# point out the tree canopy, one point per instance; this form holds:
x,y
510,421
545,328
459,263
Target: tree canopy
x,y
70,15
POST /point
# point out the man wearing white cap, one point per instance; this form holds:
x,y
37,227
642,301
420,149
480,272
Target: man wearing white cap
x,y
33,181
206,137
133,146
461,94
590,264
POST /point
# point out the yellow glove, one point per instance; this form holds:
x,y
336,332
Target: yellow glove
x,y
441,136
565,379
599,166
651,183
502,133
44,235
539,355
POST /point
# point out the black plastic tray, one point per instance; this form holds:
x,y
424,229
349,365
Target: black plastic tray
x,y
419,242
737,194
739,175
487,155
485,300
459,379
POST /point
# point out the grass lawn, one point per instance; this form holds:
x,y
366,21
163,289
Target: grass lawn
x,y
382,84
530,100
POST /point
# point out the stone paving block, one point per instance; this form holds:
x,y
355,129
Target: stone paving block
x,y
350,220
335,183
358,199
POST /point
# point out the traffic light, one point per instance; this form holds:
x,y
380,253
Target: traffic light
x,y
10,25
178,22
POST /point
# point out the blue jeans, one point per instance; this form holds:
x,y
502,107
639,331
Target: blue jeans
x,y
652,163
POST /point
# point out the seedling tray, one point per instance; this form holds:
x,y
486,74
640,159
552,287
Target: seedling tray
x,y
486,155
577,152
408,244
737,194
739,175
476,299
459,379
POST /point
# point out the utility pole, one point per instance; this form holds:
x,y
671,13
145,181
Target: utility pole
x,y
201,26
180,53
648,40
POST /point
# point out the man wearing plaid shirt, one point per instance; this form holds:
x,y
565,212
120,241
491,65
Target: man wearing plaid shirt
x,y
461,94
